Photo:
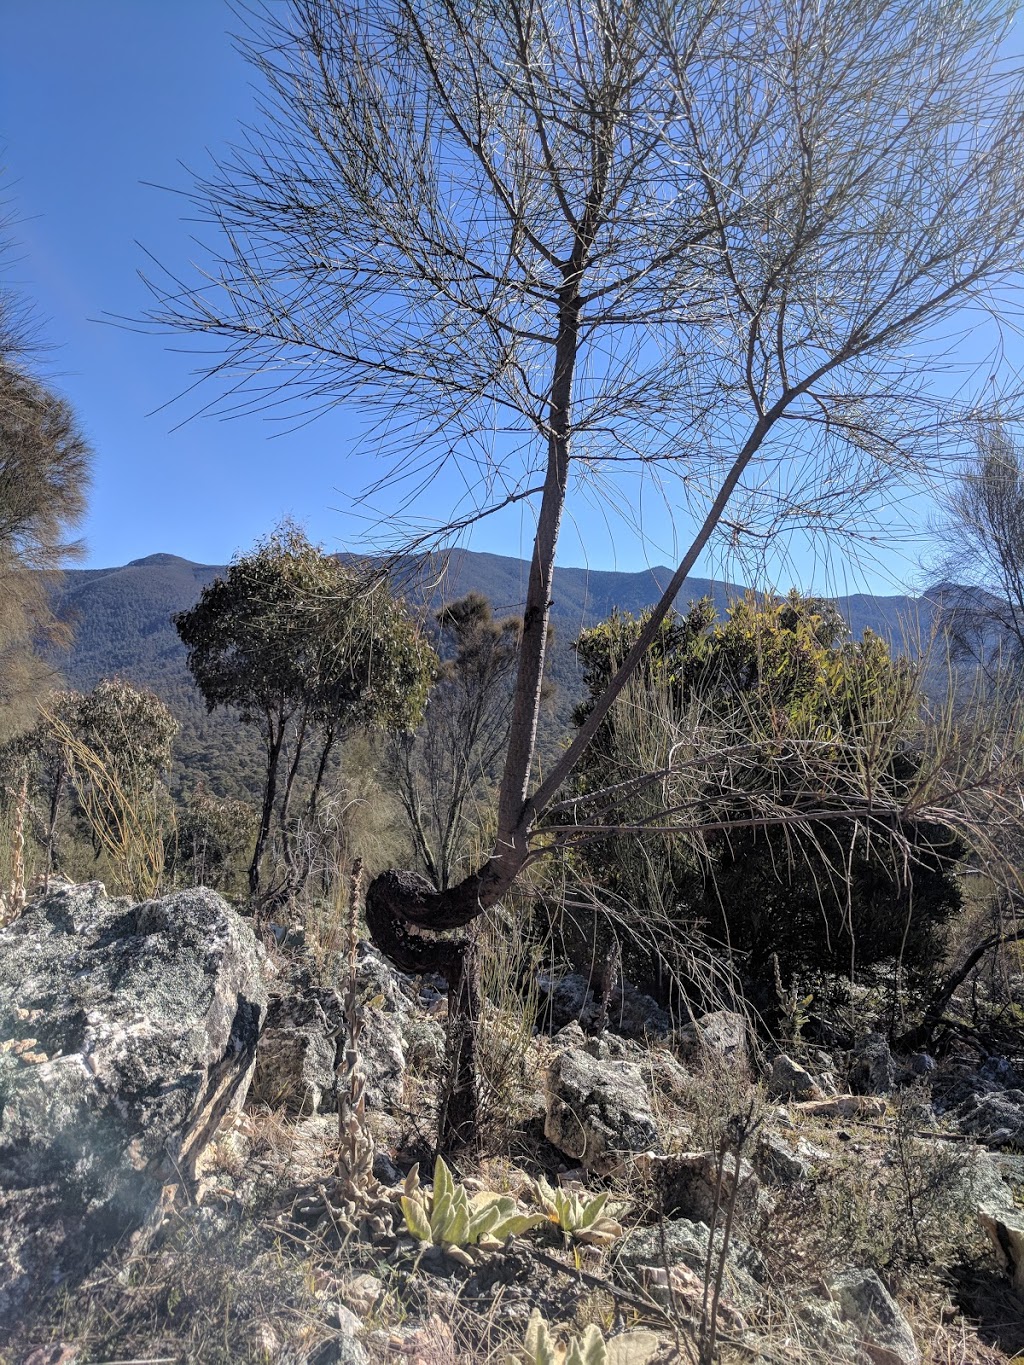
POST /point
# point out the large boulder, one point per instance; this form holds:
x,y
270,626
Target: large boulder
x,y
598,1110
305,1034
126,1033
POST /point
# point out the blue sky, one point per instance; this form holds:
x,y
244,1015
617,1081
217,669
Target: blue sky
x,y
97,98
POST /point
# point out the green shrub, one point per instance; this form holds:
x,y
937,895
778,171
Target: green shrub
x,y
783,755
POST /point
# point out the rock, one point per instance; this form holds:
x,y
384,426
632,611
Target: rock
x,y
362,1293
1001,1072
680,1242
842,1107
128,1031
305,1032
723,1032
1005,1227
385,1170
344,1347
997,1117
597,1111
608,1047
630,1013
872,1069
999,1215
295,1070
822,1327
424,1043
685,1183
776,1162
295,1062
387,1002
636,1015
922,1064
864,1301
790,1081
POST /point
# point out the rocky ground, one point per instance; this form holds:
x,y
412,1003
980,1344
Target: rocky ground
x,y
170,1152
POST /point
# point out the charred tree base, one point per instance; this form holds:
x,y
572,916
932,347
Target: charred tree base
x,y
396,904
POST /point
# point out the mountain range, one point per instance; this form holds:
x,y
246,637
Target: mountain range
x,y
122,619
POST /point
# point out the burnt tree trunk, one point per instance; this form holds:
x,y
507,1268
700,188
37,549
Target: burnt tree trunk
x,y
399,903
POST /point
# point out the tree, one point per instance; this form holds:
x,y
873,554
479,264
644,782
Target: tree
x,y
557,239
47,765
303,647
764,754
109,747
212,839
44,471
981,600
443,771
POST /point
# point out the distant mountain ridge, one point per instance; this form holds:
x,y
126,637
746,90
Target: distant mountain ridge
x,y
123,629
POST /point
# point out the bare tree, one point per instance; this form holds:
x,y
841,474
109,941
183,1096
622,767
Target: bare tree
x,y
551,239
442,772
981,599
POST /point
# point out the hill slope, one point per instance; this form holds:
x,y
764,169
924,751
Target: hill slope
x,y
123,629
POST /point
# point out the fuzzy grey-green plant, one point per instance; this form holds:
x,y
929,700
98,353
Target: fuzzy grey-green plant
x,y
579,1215
540,1347
459,1224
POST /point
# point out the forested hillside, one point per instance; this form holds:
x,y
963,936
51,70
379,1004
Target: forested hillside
x,y
122,621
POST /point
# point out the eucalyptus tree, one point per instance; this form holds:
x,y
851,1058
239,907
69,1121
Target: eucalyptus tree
x,y
106,749
44,470
303,647
552,239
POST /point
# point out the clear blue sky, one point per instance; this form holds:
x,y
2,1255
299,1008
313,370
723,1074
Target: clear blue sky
x,y
96,98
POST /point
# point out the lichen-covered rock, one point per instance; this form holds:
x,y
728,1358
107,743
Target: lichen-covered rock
x,y
885,1334
822,1327
872,1069
790,1081
598,1111
126,1033
686,1182
629,1012
296,1059
999,1215
305,1033
678,1241
723,1032
996,1117
778,1162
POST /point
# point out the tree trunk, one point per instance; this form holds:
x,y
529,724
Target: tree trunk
x,y
275,738
301,867
396,900
56,795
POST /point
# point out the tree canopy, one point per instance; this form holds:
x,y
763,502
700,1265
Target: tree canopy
x,y
306,648
44,472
